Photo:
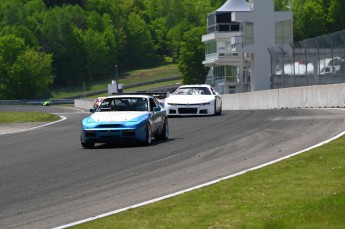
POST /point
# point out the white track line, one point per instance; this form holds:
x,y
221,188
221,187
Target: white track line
x,y
35,127
196,187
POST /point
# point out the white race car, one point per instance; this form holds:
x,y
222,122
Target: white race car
x,y
198,99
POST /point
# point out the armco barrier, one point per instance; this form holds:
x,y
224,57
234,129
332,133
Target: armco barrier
x,y
35,102
319,96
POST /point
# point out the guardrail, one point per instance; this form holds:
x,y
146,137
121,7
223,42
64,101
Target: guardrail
x,y
35,102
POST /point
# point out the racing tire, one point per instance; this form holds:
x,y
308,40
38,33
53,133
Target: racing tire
x,y
164,135
148,139
219,112
87,145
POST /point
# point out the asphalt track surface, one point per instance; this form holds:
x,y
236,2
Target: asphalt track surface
x,y
48,180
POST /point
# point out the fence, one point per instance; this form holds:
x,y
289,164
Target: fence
x,y
313,61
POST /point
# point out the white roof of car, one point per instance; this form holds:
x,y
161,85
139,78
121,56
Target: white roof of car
x,y
129,96
195,85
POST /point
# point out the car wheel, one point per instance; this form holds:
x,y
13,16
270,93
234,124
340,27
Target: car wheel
x,y
220,110
87,145
164,135
148,140
217,112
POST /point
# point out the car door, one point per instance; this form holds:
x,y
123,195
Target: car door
x,y
217,99
156,116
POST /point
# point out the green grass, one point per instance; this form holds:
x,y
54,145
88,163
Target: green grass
x,y
143,88
136,76
21,117
306,191
144,75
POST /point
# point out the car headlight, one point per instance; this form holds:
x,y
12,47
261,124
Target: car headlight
x,y
132,124
88,123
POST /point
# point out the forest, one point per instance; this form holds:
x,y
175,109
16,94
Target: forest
x,y
45,43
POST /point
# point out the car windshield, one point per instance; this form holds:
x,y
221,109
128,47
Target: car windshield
x,y
123,104
193,91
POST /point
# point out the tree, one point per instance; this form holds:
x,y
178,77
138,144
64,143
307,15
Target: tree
x,y
216,3
11,12
31,75
159,32
97,53
191,57
310,18
140,45
52,3
175,36
61,37
336,17
281,5
3,76
10,48
24,73
22,32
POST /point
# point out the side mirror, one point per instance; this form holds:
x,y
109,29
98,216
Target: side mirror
x,y
92,110
156,109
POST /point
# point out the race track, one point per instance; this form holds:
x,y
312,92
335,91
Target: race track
x,y
48,180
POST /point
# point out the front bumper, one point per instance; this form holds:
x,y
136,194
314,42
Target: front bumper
x,y
113,135
189,110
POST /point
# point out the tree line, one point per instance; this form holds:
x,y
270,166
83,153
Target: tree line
x,y
314,17
46,43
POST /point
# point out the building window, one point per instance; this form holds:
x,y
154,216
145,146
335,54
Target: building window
x,y
224,71
248,33
210,47
283,32
219,72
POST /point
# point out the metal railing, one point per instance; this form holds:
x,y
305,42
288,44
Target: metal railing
x,y
313,61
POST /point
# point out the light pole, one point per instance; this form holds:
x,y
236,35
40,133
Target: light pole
x,y
84,89
116,72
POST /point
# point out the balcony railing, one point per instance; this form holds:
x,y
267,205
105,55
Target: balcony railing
x,y
222,52
223,27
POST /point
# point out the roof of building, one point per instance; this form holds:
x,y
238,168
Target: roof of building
x,y
234,6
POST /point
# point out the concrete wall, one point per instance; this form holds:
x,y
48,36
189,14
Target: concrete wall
x,y
332,95
319,96
83,103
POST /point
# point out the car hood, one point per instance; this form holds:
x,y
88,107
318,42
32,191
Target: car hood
x,y
189,99
117,116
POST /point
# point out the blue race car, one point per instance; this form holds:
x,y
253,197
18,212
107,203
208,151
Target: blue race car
x,y
125,118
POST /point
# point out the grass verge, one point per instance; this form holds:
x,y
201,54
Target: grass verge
x,y
131,77
306,191
143,88
21,117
